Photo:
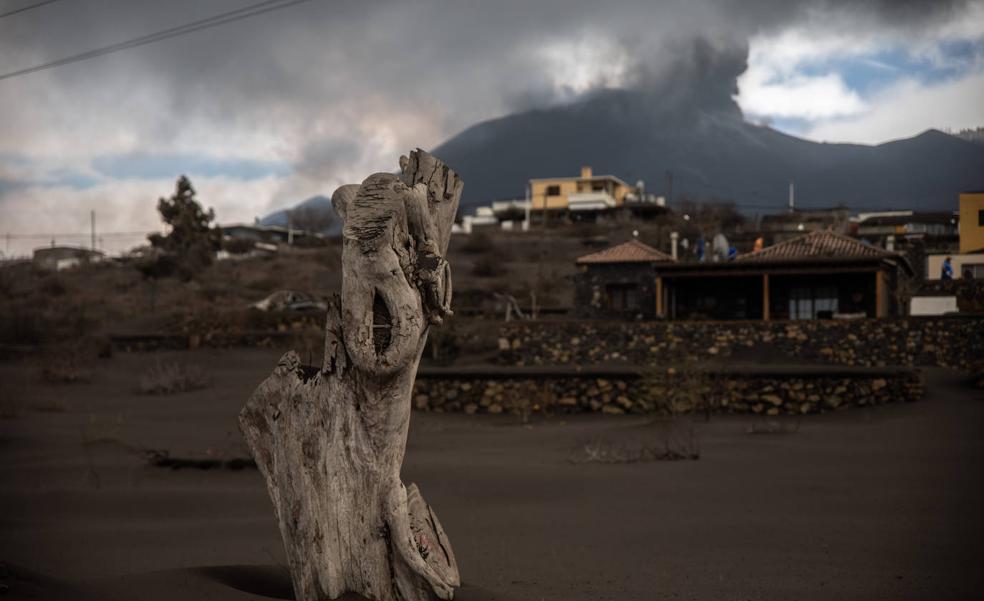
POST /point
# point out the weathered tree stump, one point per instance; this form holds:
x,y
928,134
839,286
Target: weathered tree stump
x,y
330,441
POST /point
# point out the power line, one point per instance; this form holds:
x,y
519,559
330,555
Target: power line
x,y
26,8
221,19
75,235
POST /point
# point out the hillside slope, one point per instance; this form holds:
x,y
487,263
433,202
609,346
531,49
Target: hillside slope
x,y
711,152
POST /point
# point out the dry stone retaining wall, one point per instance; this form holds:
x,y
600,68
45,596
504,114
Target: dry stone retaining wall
x,y
956,342
666,391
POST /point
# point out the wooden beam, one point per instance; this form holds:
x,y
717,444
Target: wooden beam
x,y
881,301
765,297
659,297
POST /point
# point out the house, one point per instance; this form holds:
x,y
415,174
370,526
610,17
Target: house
x,y
621,281
581,197
971,222
971,264
937,224
65,257
783,226
816,275
270,234
970,260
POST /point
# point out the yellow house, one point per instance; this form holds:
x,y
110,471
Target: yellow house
x,y
971,222
588,193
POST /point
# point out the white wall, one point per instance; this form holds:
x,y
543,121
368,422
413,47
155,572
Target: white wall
x,y
932,305
935,262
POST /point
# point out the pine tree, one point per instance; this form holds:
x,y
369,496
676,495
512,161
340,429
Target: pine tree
x,y
191,241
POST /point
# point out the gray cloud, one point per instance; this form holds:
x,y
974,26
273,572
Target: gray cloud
x,y
334,88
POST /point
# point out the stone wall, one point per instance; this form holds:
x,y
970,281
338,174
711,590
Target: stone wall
x,y
969,293
955,342
667,391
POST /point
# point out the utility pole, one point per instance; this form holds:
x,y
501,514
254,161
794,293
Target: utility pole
x,y
92,229
792,196
526,224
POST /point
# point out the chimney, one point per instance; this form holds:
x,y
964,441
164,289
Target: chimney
x,y
890,243
586,172
674,240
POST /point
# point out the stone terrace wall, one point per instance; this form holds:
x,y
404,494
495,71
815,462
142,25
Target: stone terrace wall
x,y
956,342
969,293
667,392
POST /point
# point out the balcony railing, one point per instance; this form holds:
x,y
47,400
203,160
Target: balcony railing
x,y
590,201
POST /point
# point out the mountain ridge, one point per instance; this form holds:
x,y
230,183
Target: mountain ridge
x,y
712,154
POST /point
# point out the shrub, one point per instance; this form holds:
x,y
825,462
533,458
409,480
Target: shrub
x,y
479,243
53,286
66,372
488,267
238,246
172,378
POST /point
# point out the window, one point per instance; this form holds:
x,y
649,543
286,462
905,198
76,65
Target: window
x,y
980,217
974,270
598,186
622,297
806,302
553,190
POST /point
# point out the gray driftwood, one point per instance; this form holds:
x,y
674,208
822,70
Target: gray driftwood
x,y
330,441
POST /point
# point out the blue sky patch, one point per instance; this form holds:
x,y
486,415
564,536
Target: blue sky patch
x,y
869,73
157,166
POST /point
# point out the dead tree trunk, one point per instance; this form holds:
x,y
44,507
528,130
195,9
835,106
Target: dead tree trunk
x,y
330,441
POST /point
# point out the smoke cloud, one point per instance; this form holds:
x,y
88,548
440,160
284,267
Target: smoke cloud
x,y
337,90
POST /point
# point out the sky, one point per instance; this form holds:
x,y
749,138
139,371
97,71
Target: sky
x,y
264,112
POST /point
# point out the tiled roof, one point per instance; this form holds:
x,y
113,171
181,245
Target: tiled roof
x,y
632,251
818,245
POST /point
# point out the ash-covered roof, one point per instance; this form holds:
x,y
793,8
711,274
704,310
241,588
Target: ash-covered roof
x,y
815,246
632,251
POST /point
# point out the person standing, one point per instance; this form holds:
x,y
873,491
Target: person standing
x,y
946,271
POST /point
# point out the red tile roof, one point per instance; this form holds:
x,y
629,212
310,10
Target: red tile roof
x,y
818,245
632,251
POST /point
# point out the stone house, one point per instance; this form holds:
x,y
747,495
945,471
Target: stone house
x,y
819,275
619,282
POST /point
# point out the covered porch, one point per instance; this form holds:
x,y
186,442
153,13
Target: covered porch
x,y
728,291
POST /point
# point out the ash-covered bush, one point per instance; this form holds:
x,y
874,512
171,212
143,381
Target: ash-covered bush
x,y
172,378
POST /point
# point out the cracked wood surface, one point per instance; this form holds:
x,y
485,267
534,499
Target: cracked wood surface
x,y
330,441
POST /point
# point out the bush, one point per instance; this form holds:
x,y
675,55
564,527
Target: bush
x,y
477,244
72,362
66,372
53,286
157,266
238,246
172,378
488,267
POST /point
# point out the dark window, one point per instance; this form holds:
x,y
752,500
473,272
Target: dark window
x,y
980,217
553,190
598,186
807,302
622,297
